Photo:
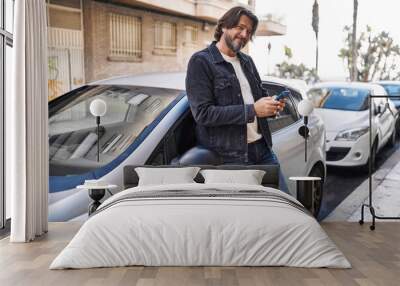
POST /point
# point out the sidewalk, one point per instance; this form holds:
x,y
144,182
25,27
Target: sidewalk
x,y
385,194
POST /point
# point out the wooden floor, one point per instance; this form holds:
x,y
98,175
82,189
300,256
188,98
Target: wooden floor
x,y
374,255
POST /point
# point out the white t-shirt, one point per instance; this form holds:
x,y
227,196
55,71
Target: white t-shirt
x,y
252,134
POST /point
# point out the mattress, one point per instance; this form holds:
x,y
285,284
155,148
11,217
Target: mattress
x,y
201,225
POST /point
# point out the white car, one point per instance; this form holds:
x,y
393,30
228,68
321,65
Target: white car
x,y
344,109
148,121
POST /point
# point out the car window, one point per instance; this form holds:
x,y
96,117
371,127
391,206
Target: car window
x,y
73,129
343,98
380,102
296,96
287,116
392,89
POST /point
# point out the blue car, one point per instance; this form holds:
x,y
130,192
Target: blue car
x,y
393,90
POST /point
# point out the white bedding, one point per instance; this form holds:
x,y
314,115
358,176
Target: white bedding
x,y
183,231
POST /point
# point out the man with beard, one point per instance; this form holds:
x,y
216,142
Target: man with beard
x,y
226,97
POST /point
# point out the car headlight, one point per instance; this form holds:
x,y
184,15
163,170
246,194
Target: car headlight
x,y
351,134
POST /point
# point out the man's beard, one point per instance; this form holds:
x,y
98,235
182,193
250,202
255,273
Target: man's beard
x,y
235,47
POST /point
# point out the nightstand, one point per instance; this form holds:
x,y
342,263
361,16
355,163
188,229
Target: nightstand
x,y
96,193
305,189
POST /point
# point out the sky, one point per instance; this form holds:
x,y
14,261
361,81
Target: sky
x,y
333,16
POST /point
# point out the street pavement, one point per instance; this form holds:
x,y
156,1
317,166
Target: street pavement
x,y
385,194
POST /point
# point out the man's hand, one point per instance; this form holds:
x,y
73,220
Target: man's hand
x,y
282,104
267,106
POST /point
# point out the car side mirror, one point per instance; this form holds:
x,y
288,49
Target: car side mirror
x,y
380,109
377,110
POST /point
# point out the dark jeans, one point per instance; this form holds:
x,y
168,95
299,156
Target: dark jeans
x,y
260,154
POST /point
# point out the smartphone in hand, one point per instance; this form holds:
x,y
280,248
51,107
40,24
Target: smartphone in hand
x,y
284,94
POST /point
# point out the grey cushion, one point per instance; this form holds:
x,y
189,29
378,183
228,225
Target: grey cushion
x,y
248,177
166,176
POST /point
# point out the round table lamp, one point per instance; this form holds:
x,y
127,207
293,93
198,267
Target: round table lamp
x,y
305,108
98,108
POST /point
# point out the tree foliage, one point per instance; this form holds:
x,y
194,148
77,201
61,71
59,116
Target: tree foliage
x,y
315,18
315,26
378,56
287,69
288,52
353,74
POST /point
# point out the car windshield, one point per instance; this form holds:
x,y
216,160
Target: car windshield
x,y
73,129
392,89
343,98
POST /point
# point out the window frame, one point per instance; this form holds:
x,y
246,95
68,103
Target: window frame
x,y
291,100
191,30
161,49
138,23
6,39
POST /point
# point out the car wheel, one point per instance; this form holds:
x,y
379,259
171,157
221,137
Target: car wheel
x,y
392,140
317,171
373,159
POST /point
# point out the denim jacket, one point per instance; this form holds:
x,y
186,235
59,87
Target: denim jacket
x,y
217,105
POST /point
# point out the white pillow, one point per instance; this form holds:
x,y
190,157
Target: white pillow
x,y
248,177
165,176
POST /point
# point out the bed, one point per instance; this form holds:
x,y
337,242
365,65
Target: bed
x,y
201,224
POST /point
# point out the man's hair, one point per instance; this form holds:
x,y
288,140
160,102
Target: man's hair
x,y
231,19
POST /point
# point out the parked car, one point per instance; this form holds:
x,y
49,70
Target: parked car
x,y
148,121
393,90
344,109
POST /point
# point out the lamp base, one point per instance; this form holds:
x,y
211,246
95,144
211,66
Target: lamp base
x,y
304,131
96,195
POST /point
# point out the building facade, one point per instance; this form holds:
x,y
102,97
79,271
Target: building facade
x,y
91,40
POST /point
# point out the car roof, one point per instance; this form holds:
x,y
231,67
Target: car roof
x,y
173,80
396,82
296,84
375,89
346,84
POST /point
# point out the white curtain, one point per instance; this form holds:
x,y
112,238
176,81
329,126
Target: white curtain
x,y
27,124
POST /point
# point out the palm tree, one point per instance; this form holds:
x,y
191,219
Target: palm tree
x,y
315,24
354,72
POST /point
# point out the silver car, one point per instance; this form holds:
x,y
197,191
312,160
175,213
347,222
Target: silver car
x,y
148,121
